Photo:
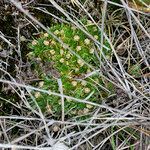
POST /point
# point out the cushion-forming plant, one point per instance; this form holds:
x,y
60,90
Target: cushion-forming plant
x,y
55,62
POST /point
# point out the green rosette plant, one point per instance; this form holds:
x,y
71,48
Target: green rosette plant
x,y
55,62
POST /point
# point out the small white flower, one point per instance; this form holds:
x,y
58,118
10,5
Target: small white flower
x,y
83,82
80,62
87,90
45,34
96,37
87,41
61,31
30,54
74,112
67,63
49,92
56,128
76,69
65,46
68,99
92,51
34,42
53,57
69,77
96,80
80,112
76,38
94,28
62,60
89,22
78,48
41,83
38,59
68,56
37,94
89,106
53,42
56,32
86,110
74,83
61,52
22,38
59,102
46,43
52,52
107,57
88,71
73,27
49,109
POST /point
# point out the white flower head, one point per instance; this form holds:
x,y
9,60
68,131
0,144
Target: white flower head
x,y
68,99
87,90
62,60
88,71
56,32
56,128
34,42
74,112
22,38
89,106
80,112
73,27
45,34
65,46
86,110
62,31
67,63
83,82
108,57
46,42
68,56
89,22
74,83
41,83
76,69
87,41
53,57
78,48
38,59
80,62
61,52
59,102
49,109
53,42
30,54
94,28
37,94
96,80
52,52
49,92
76,38
91,50
96,37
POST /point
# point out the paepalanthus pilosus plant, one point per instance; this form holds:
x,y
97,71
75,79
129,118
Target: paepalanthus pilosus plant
x,y
56,61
